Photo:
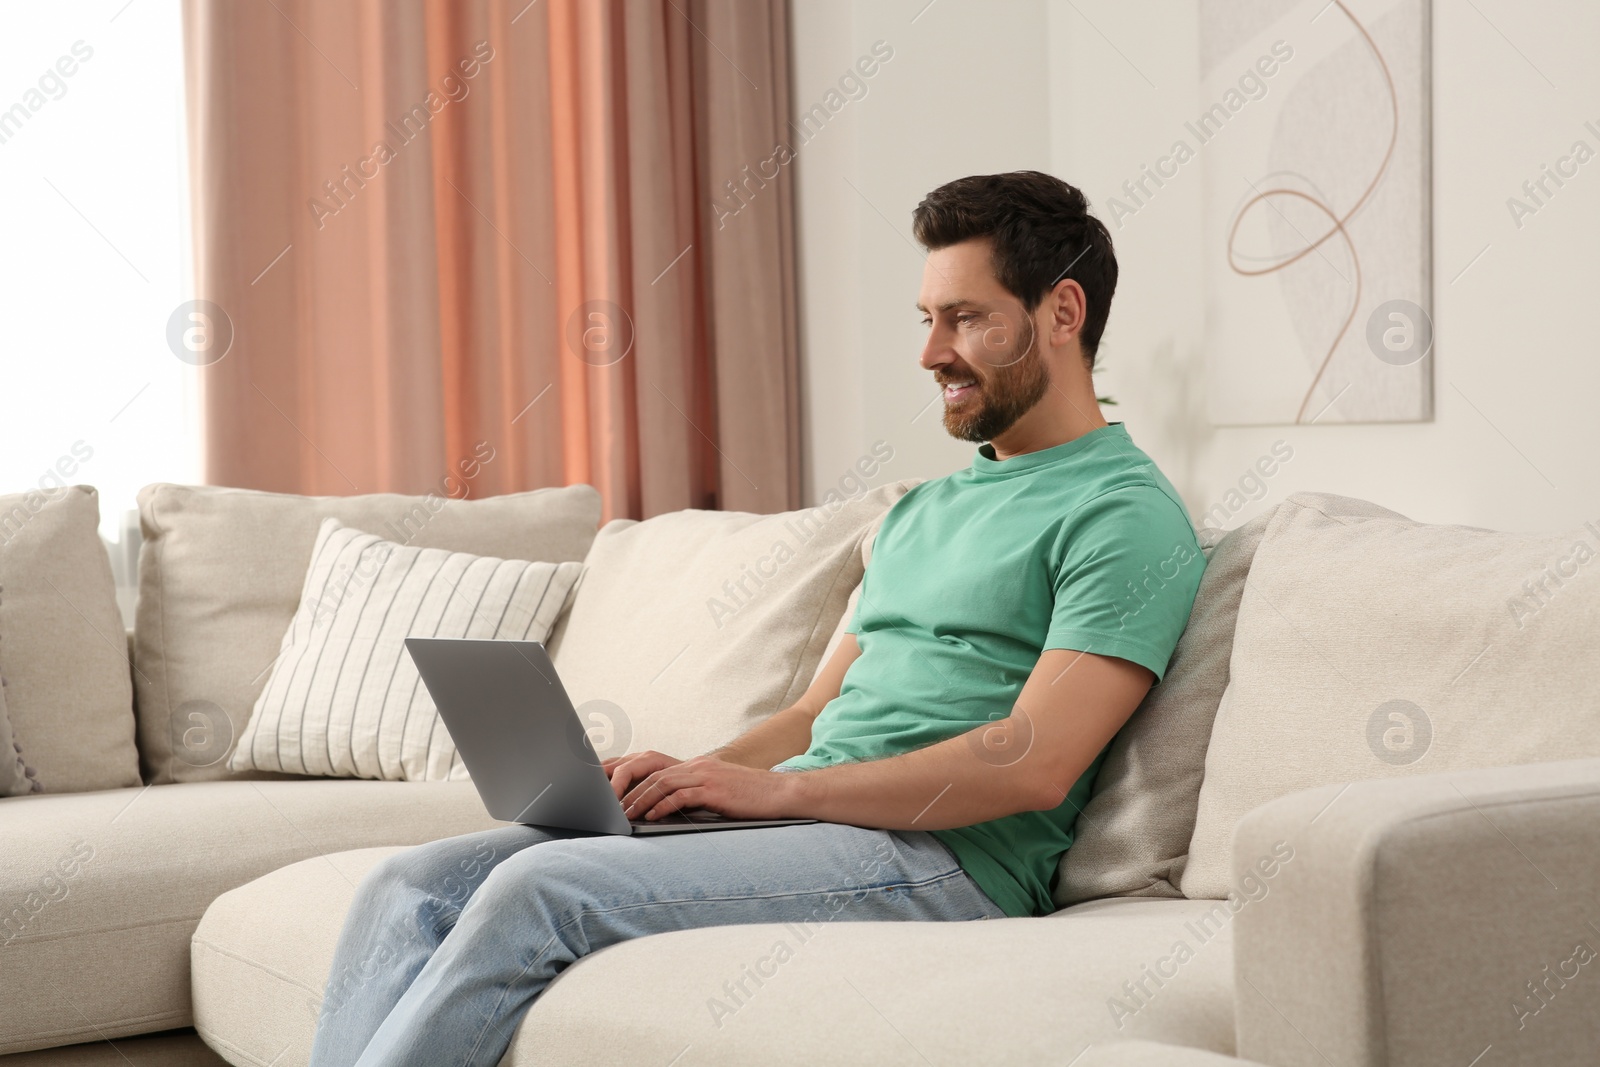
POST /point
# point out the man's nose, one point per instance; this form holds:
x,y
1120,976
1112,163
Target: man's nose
x,y
937,352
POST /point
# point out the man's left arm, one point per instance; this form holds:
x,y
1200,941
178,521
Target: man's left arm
x,y
1070,708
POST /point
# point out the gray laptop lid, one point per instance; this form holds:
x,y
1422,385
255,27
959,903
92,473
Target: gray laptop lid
x,y
517,733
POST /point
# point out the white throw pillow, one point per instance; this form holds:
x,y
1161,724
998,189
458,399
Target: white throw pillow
x,y
1372,646
344,698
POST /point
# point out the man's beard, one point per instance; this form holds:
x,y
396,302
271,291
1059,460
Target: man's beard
x,y
1008,393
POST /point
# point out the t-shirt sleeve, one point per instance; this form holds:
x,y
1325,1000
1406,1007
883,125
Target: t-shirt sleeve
x,y
875,538
1130,566
859,597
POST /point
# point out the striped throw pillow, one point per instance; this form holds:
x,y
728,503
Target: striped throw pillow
x,y
344,698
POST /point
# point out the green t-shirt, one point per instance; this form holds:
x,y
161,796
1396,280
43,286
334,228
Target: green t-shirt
x,y
1083,546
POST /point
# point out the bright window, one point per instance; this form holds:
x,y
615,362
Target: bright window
x,y
95,255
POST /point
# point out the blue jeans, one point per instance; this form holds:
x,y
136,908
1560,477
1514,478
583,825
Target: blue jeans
x,y
447,944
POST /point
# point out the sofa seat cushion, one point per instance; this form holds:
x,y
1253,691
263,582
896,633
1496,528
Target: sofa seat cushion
x,y
1156,1054
102,891
1003,991
174,1048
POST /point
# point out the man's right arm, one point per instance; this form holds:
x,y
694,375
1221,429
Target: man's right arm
x,y
788,733
785,734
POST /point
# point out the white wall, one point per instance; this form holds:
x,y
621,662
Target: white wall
x,y
950,102
1093,89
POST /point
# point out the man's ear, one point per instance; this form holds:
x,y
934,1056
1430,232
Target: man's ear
x,y
1068,309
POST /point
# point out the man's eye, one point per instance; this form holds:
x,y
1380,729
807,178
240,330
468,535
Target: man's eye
x,y
927,322
964,319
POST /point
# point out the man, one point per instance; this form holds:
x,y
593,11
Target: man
x,y
1013,617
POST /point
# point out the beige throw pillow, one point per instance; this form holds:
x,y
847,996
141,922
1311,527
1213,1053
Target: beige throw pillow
x,y
1132,838
344,699
63,649
1372,646
690,627
220,576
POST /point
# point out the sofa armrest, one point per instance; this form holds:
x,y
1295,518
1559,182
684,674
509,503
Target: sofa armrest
x,y
1424,920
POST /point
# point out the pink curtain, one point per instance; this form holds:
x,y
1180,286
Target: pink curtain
x,y
481,247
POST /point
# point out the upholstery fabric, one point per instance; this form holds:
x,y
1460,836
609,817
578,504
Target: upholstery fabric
x,y
63,650
999,991
220,577
1133,835
16,777
1155,1054
102,890
1444,913
1372,646
177,1048
689,628
344,698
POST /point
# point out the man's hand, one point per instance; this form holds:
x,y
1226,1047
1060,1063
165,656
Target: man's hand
x,y
625,771
707,782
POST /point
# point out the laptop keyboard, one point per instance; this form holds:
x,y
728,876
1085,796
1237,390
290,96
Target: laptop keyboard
x,y
681,819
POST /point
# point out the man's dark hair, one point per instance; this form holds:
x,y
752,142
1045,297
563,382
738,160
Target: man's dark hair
x,y
1042,232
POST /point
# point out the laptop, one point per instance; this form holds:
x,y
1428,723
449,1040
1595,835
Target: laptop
x,y
524,744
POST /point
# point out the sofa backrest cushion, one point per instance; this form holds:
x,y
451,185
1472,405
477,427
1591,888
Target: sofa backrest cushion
x,y
63,649
220,576
688,628
1372,646
1132,838
16,777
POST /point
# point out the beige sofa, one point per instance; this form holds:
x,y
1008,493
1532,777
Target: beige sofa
x,y
1355,825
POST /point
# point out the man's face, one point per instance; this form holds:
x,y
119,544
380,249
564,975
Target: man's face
x,y
981,343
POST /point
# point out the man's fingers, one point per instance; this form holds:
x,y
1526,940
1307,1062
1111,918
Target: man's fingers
x,y
660,786
628,770
624,773
631,795
680,800
635,768
645,788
